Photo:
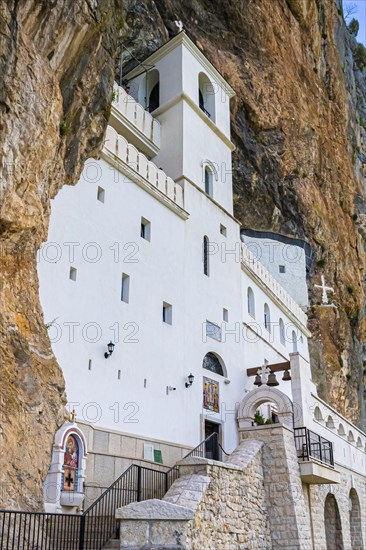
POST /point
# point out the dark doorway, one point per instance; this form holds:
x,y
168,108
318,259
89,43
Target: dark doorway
x,y
212,449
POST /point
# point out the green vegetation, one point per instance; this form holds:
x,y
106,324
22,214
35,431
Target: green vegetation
x,y
360,56
260,420
350,289
321,262
64,129
297,172
340,11
354,27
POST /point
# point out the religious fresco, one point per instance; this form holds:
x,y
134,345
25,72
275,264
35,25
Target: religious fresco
x,y
210,394
71,464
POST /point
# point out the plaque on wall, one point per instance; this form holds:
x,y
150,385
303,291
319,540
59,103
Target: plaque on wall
x,y
210,394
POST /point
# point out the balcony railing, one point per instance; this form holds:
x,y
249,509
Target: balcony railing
x,y
311,446
139,163
258,269
136,114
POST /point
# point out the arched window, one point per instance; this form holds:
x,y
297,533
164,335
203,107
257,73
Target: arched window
x,y
208,181
294,341
206,266
213,363
267,318
71,464
152,90
282,333
351,438
251,304
206,96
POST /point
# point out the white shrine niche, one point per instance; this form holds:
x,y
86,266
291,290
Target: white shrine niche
x,y
64,485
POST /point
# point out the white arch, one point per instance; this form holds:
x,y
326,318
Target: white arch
x,y
258,397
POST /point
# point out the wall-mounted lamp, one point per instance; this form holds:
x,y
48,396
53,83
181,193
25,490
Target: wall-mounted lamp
x,y
110,348
190,381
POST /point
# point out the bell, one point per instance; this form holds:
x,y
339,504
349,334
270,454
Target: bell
x,y
272,380
286,376
258,380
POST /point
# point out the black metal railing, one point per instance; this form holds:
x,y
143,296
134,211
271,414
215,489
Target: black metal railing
x,y
39,531
209,448
311,446
87,531
97,525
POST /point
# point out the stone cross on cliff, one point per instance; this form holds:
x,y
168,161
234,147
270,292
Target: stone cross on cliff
x,y
325,290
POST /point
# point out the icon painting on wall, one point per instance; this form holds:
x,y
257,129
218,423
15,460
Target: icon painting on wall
x,y
210,394
71,464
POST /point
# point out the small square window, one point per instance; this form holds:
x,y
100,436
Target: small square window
x,y
72,274
223,230
125,288
145,231
101,194
167,313
282,268
225,315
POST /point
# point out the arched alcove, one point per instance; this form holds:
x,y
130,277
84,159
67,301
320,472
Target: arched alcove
x,y
341,430
330,423
333,525
214,363
64,484
206,96
260,396
359,443
318,414
351,437
355,521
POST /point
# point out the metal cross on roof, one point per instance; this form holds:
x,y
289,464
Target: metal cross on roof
x,y
325,290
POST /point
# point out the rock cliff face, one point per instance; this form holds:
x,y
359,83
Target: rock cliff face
x,y
298,125
57,68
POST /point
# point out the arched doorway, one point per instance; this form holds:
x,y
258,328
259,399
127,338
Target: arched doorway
x,y
355,521
333,525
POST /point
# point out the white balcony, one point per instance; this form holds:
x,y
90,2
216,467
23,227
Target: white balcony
x,y
131,120
143,172
254,265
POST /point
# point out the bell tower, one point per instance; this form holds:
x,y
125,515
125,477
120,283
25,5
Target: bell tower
x,y
190,98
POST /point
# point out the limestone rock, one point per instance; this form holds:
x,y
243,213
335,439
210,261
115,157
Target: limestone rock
x,y
57,69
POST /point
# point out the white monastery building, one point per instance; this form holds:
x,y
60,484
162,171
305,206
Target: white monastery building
x,y
161,314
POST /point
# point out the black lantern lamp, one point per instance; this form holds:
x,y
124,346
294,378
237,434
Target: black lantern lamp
x,y
190,381
272,380
110,348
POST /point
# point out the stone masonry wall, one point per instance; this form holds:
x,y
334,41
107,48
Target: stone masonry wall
x,y
341,492
212,506
289,520
230,510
